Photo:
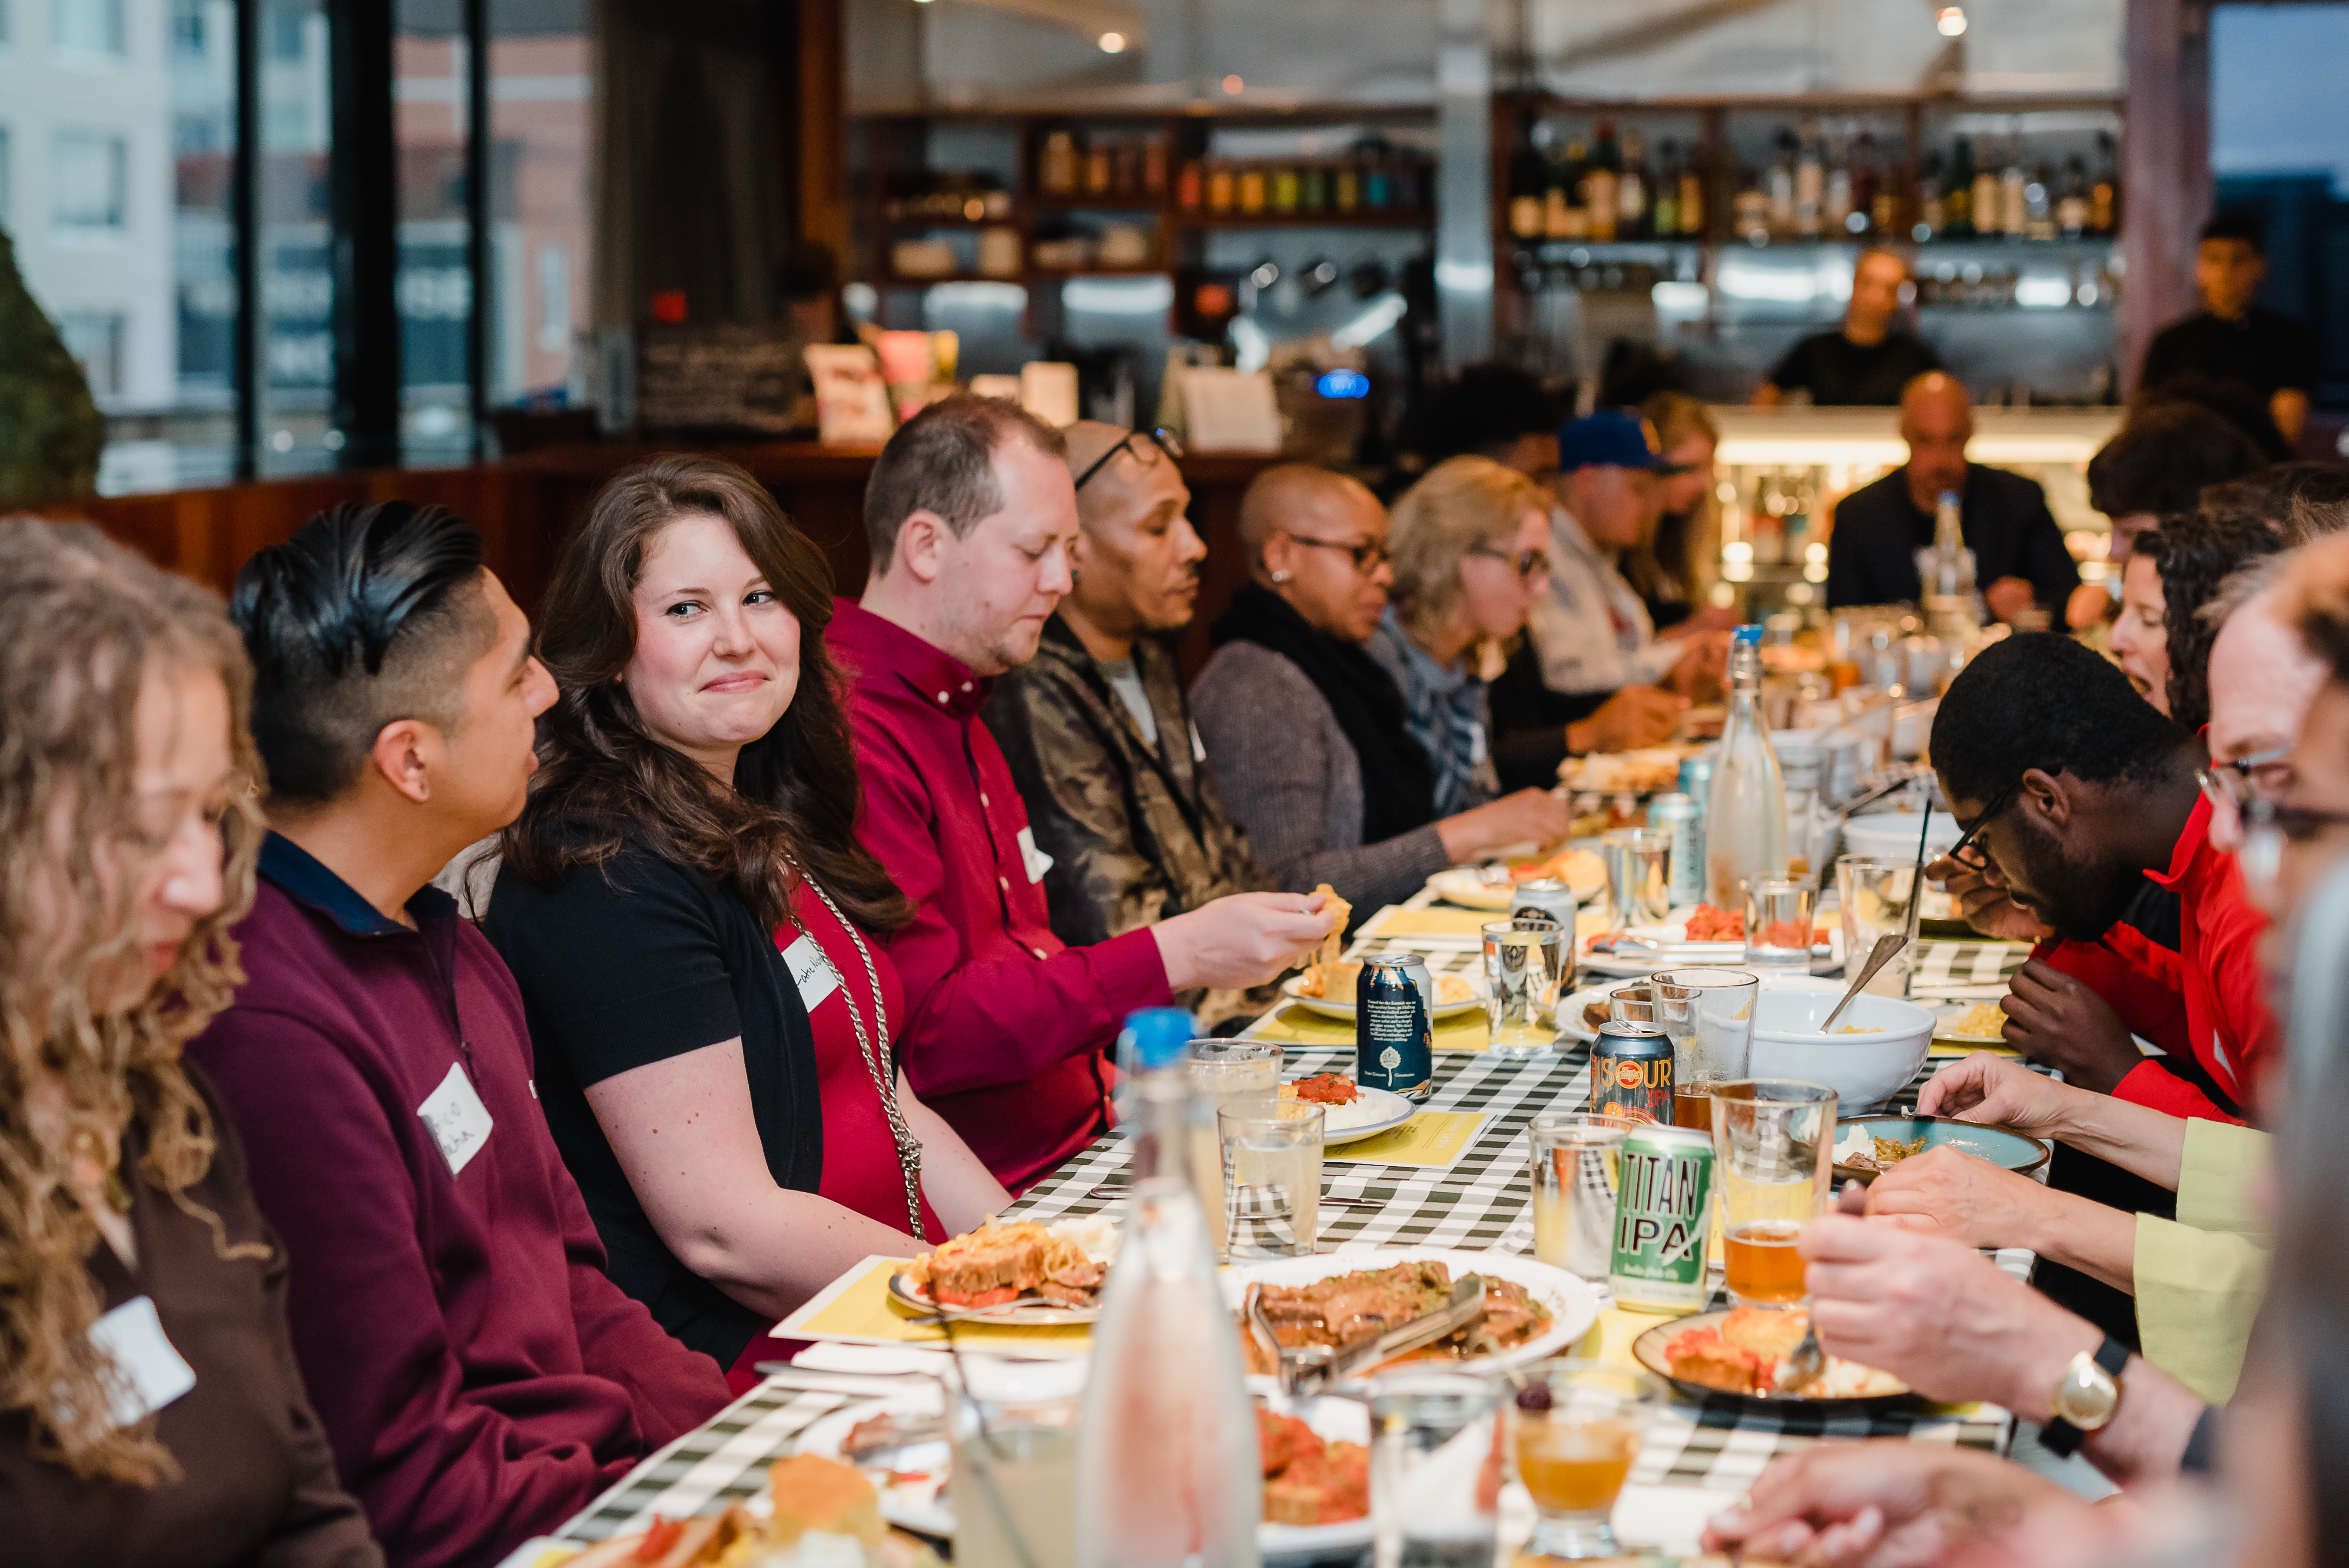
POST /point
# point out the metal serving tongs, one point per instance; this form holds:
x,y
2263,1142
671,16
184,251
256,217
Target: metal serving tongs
x,y
1311,1370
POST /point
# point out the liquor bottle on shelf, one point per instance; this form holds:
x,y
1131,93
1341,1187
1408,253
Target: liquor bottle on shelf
x,y
1169,1471
1989,220
2072,198
1097,173
2104,195
1284,188
1600,185
1745,815
1665,218
2040,194
1527,177
1346,187
1932,210
1563,217
2013,191
1750,215
1378,178
1057,175
1810,183
1313,188
1693,208
1958,193
1841,201
1222,187
1191,186
1154,164
1782,188
1872,195
1632,189
1252,192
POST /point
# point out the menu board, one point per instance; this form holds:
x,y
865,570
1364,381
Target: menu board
x,y
721,379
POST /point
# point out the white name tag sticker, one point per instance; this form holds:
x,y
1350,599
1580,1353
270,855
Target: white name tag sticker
x,y
1037,861
153,1373
810,971
459,1121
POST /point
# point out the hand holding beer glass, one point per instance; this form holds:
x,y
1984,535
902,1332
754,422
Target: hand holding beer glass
x,y
1774,1157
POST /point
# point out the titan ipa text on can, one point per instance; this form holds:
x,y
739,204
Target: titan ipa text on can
x,y
1394,1028
1631,1073
1550,896
1663,1202
1677,816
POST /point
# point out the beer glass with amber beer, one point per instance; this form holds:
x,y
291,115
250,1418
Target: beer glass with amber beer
x,y
1774,1157
1576,1427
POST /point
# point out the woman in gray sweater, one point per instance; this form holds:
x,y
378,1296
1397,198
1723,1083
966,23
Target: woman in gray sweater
x,y
1307,734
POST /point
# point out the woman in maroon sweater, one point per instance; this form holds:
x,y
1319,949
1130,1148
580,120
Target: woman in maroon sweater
x,y
696,931
151,1410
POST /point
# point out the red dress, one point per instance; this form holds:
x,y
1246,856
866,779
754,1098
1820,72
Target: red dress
x,y
860,1156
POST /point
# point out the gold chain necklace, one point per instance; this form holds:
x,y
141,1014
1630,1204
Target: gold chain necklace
x,y
885,1082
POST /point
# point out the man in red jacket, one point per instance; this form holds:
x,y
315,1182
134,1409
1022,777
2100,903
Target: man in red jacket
x,y
970,513
2077,795
479,1378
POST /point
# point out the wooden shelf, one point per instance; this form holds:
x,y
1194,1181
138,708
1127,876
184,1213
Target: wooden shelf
x,y
1358,219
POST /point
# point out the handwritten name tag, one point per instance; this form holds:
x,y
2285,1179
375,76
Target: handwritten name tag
x,y
810,973
153,1373
1037,861
458,1121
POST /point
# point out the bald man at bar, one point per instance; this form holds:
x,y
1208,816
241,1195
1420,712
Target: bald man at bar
x,y
1304,730
2019,561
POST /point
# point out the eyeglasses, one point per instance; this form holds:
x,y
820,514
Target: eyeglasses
x,y
1368,556
2268,827
1998,802
1530,563
1166,440
2258,777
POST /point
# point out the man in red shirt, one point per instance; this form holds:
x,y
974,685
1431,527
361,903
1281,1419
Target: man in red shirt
x,y
2076,794
970,513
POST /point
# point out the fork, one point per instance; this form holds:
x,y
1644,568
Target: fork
x,y
1806,1360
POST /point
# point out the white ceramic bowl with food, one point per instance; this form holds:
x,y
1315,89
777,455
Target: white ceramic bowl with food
x,y
1878,1057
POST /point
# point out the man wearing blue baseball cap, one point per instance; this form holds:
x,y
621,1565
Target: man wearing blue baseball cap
x,y
1590,630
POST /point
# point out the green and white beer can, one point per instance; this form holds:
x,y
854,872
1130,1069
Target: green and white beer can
x,y
1663,1220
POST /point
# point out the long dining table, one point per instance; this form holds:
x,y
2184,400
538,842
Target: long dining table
x,y
1466,1188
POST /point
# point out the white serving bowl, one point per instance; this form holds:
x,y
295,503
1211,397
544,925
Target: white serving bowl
x,y
1895,833
1864,1069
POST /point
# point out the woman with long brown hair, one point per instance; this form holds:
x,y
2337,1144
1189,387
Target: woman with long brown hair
x,y
149,1407
697,931
1675,565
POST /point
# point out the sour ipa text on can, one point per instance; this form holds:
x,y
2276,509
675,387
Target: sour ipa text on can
x,y
1394,1029
1631,1073
1663,1200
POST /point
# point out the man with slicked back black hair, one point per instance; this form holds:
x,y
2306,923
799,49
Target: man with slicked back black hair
x,y
479,1378
2078,793
2155,466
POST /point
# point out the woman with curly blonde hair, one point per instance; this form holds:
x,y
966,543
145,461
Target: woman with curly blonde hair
x,y
150,1408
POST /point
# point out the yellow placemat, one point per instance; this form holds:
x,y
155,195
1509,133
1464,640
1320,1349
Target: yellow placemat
x,y
1431,1137
1301,1026
1395,923
857,1307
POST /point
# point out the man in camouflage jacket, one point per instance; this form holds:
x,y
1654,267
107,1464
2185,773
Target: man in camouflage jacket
x,y
1097,730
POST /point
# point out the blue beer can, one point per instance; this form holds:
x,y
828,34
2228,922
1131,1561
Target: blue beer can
x,y
1394,1027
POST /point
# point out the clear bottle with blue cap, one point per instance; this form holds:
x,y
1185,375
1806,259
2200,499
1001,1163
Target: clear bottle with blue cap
x,y
1745,818
1167,1470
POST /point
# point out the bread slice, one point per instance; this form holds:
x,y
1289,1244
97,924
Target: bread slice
x,y
812,1492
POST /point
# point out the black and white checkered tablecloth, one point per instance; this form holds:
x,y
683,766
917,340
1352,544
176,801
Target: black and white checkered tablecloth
x,y
1480,1202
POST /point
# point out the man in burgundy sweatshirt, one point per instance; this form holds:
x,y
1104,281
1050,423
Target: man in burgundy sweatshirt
x,y
480,1378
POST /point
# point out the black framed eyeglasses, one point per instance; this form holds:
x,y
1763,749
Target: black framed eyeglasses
x,y
2236,785
1530,563
1168,442
1998,802
1368,556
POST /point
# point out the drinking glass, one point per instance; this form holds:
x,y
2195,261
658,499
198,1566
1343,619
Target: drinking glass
x,y
1272,1178
1709,1014
1778,912
1573,1179
1879,895
1525,959
1636,884
1774,1154
1435,1470
1576,1427
1632,1003
1013,1482
1225,1072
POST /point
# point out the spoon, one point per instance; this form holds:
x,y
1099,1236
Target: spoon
x,y
1891,943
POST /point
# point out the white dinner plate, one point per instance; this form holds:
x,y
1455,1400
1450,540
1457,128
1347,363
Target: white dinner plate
x,y
1676,953
1572,1307
1464,886
1026,1312
1386,1110
922,1505
1331,1007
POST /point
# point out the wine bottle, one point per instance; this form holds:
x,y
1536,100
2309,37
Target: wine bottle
x,y
1782,188
1632,190
1666,214
1601,183
1745,815
1810,184
1958,194
1168,1475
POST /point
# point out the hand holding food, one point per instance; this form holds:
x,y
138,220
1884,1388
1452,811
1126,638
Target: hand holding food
x,y
1947,1191
1242,940
2059,1023
1983,900
1935,1314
